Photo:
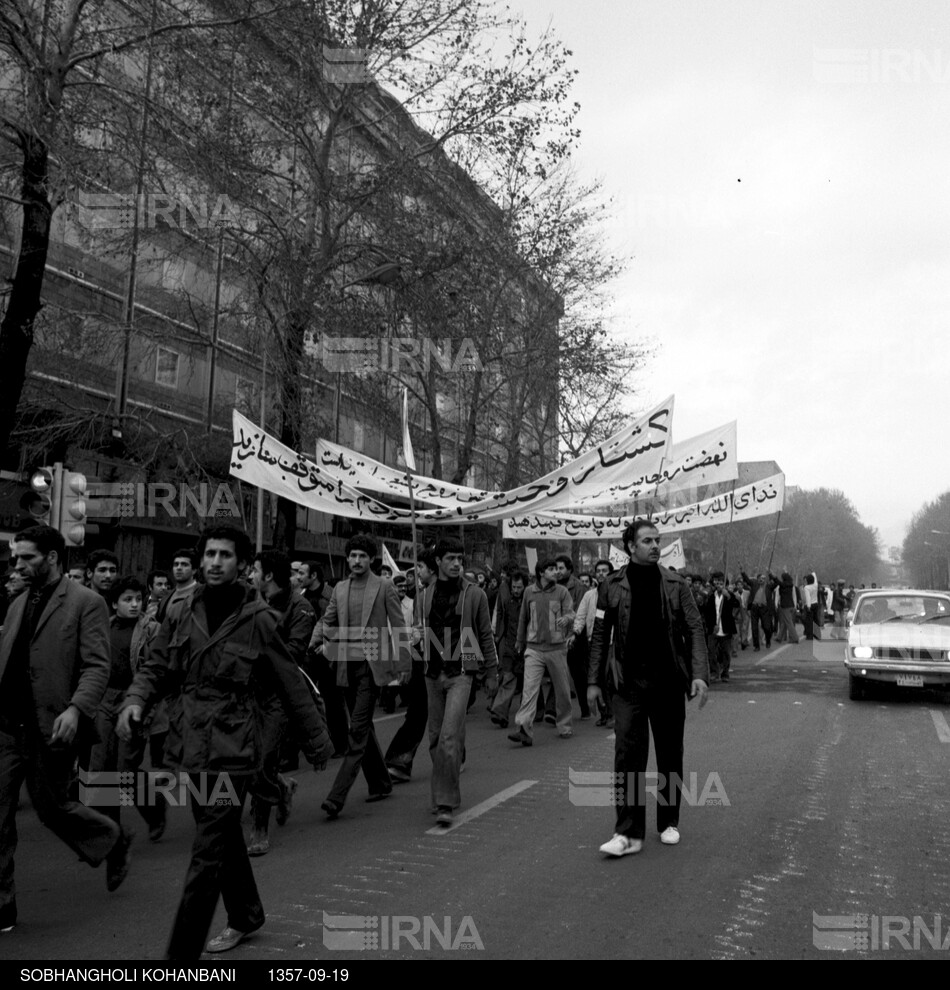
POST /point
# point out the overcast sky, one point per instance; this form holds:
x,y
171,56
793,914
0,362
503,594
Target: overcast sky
x,y
809,300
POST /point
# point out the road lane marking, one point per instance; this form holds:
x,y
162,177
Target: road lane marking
x,y
480,809
940,724
772,655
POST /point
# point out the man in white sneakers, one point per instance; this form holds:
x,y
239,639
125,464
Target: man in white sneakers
x,y
658,660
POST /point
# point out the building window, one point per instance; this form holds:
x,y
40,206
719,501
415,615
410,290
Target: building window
x,y
166,367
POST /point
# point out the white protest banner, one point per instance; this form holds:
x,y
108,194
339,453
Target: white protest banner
x,y
673,556
707,459
371,475
761,498
263,461
260,459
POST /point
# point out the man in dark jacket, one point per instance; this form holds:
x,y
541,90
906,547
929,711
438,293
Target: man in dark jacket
x,y
219,659
318,666
787,603
658,660
510,660
455,636
719,616
271,578
54,668
402,750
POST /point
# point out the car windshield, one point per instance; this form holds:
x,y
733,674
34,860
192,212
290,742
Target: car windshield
x,y
902,608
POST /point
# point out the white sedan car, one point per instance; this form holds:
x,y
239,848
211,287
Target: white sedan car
x,y
899,637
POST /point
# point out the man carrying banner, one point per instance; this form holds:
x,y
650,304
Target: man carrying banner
x,y
657,661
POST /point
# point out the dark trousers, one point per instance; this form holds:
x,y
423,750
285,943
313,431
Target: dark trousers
x,y
324,673
112,754
48,771
577,666
219,868
810,619
761,614
720,654
642,707
268,785
402,750
362,750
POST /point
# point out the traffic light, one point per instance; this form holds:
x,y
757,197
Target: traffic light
x,y
72,508
39,501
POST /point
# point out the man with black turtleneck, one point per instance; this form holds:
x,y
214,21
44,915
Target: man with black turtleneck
x,y
220,659
453,625
657,660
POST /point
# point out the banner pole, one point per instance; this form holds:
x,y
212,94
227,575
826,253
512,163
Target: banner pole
x,y
725,549
774,537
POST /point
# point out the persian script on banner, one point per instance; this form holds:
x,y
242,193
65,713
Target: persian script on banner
x,y
706,459
761,498
262,460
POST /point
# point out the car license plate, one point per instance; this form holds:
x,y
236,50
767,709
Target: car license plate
x,y
910,680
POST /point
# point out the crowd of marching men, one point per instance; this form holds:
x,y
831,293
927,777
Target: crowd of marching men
x,y
233,663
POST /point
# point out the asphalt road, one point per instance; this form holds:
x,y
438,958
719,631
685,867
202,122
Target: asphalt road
x,y
826,832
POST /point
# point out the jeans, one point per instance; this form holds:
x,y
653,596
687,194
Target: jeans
x,y
509,693
448,704
362,751
402,750
219,868
536,663
643,706
48,771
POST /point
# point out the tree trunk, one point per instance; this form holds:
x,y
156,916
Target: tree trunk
x,y
288,376
16,331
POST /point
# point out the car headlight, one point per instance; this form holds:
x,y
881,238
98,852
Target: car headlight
x,y
863,653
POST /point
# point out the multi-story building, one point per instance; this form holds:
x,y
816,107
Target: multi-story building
x,y
157,321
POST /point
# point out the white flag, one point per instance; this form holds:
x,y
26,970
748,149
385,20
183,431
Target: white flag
x,y
407,454
388,560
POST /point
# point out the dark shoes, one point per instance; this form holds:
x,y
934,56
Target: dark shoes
x,y
550,719
286,802
444,816
379,796
331,808
520,736
502,723
117,862
228,938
